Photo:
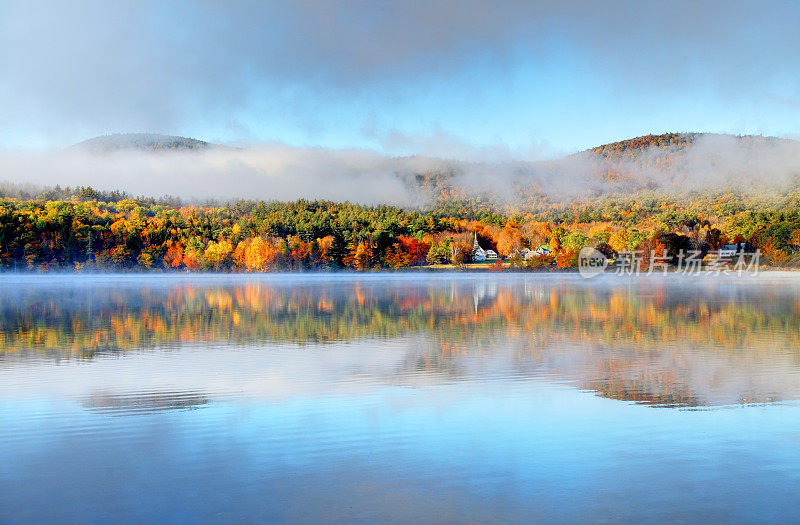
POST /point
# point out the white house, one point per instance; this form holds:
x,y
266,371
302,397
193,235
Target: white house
x,y
491,255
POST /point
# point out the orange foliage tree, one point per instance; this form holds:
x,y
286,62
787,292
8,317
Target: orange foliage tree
x,y
359,256
259,254
566,259
396,257
173,258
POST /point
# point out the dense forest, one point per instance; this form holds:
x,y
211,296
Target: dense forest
x,y
84,229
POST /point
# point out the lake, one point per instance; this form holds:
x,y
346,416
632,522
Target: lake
x,y
391,397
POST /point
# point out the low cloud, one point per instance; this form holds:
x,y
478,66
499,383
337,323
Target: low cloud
x,y
269,172
710,162
280,172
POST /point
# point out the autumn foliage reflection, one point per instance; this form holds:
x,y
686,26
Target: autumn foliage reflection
x,y
459,314
628,343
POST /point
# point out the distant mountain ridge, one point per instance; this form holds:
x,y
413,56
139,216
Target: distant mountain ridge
x,y
141,142
673,142
670,162
680,160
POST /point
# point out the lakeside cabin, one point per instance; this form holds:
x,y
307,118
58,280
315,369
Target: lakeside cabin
x,y
529,254
544,249
481,255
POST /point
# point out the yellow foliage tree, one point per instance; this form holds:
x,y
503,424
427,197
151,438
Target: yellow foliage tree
x,y
324,245
794,238
216,253
259,255
619,240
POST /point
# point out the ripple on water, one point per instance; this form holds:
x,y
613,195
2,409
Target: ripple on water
x,y
450,398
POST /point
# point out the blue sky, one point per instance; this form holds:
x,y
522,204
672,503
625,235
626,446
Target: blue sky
x,y
457,78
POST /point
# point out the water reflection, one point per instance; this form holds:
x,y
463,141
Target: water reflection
x,y
143,402
445,399
662,342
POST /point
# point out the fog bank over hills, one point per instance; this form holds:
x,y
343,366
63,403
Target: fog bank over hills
x,y
140,142
154,165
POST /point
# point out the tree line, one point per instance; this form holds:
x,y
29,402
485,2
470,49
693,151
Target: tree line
x,y
81,231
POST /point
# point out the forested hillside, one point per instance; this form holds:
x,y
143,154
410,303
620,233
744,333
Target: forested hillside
x,y
87,233
82,228
141,142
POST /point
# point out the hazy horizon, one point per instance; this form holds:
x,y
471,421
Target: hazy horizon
x,y
277,171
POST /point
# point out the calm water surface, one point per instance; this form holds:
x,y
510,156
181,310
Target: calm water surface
x,y
392,398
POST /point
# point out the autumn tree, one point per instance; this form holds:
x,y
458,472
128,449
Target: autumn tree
x,y
259,254
173,258
359,256
217,254
397,257
618,240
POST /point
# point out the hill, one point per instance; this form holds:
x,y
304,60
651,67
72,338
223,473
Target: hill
x,y
671,150
141,142
689,161
720,190
669,163
634,146
674,163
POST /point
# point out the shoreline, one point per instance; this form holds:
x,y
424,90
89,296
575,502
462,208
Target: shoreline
x,y
429,271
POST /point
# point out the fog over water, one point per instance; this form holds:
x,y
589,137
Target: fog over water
x,y
383,396
558,327
375,397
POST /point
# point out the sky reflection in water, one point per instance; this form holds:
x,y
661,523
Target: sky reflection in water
x,y
442,398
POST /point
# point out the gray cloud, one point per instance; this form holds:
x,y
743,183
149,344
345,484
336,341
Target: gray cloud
x,y
90,66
